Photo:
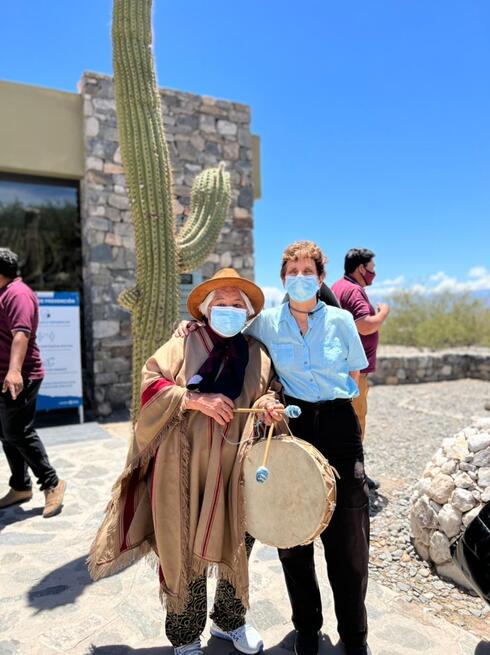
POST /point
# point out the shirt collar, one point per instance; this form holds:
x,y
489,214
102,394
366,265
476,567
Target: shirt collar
x,y
283,315
15,279
286,315
351,279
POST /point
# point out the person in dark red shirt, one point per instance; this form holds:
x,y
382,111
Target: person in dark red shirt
x,y
350,291
21,374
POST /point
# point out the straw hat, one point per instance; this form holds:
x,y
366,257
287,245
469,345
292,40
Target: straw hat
x,y
226,277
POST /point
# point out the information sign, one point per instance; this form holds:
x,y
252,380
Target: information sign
x,y
58,337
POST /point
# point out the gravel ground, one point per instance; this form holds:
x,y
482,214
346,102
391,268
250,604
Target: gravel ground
x,y
406,425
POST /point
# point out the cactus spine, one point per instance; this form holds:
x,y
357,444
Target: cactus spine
x,y
160,254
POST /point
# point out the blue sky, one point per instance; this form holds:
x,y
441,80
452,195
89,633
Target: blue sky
x,y
374,116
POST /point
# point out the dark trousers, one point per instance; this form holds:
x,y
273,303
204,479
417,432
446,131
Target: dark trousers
x,y
21,443
332,427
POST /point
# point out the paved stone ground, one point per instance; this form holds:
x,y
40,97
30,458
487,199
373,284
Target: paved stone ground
x,y
48,604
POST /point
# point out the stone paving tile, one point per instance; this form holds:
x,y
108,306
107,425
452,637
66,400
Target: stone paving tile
x,y
48,604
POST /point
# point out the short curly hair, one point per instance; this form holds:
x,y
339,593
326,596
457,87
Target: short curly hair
x,y
9,263
300,249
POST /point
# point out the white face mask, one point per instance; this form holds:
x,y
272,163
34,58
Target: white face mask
x,y
227,321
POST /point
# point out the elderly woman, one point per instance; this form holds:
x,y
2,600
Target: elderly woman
x,y
179,495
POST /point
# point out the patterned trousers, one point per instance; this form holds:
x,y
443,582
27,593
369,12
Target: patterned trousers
x,y
228,611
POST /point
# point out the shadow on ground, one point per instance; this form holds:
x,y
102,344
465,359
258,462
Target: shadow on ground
x,y
483,648
220,647
61,586
120,649
286,645
16,514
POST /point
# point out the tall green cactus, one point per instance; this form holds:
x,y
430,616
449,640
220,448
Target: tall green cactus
x,y
161,254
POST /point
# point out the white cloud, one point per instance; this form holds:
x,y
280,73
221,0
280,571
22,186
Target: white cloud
x,y
395,282
477,271
477,279
438,276
273,296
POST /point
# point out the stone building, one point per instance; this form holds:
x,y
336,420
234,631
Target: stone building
x,y
60,152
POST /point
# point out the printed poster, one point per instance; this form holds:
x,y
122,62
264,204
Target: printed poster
x,y
58,337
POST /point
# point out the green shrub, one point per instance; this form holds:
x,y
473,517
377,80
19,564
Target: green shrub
x,y
437,321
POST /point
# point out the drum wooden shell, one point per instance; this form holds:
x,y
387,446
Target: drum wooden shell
x,y
297,501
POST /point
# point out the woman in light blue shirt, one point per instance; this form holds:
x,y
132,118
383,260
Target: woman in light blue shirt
x,y
317,354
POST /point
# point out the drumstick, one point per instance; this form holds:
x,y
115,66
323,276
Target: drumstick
x,y
291,411
262,473
268,446
251,410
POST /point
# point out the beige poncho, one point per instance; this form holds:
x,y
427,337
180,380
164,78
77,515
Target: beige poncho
x,y
179,495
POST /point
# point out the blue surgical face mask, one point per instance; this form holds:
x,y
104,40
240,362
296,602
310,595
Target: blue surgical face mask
x,y
227,321
301,287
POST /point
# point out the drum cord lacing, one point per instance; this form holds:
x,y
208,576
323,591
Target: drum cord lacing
x,y
257,434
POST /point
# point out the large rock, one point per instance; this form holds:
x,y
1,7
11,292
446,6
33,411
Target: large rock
x,y
439,548
482,458
424,486
463,500
450,520
441,488
484,477
450,494
422,550
456,448
421,534
479,441
463,480
449,466
424,514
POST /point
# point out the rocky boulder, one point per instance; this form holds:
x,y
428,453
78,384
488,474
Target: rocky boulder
x,y
452,491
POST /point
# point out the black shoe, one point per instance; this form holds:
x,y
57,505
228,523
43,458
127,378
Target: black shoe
x,y
357,650
372,484
306,643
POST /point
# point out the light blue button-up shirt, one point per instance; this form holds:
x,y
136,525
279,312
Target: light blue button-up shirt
x,y
314,366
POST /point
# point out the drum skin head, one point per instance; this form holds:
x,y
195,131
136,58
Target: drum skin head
x,y
296,502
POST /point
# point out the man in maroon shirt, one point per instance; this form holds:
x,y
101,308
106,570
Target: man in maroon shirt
x,y
350,291
21,374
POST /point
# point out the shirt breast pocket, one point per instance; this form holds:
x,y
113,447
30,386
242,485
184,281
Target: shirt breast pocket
x,y
282,355
334,356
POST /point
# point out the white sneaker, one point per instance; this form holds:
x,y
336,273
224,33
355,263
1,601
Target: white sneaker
x,y
189,649
246,639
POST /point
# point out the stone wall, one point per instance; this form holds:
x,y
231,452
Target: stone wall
x,y
399,365
201,132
